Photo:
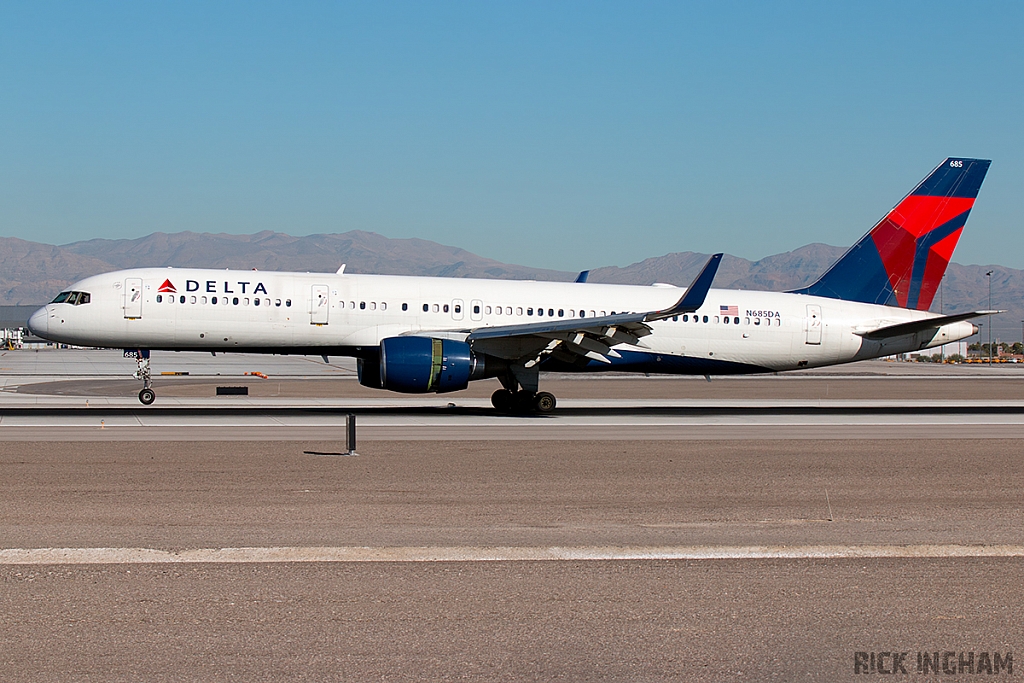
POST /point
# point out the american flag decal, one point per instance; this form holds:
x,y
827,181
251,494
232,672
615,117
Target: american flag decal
x,y
729,310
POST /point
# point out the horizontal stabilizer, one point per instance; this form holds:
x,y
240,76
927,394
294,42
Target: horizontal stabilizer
x,y
916,326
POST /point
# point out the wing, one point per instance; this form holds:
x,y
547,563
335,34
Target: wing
x,y
578,339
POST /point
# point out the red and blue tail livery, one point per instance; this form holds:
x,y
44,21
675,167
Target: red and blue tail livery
x,y
901,260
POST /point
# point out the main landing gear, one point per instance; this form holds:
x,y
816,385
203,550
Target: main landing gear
x,y
522,402
147,395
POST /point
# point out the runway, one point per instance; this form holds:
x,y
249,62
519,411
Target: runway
x,y
575,419
598,560
651,529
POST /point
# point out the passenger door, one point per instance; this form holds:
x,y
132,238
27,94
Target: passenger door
x,y
133,297
813,324
320,305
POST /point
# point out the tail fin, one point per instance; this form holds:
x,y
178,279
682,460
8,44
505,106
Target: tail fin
x,y
902,259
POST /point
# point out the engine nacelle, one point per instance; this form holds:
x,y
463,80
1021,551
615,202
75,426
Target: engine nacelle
x,y
420,365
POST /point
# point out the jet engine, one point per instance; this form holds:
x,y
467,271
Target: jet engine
x,y
420,365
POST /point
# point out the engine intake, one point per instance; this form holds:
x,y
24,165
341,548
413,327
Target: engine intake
x,y
420,365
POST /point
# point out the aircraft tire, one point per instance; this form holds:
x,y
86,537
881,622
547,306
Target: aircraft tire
x,y
522,402
502,400
147,396
544,402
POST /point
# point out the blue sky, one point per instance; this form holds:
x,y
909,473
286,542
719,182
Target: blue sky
x,y
554,134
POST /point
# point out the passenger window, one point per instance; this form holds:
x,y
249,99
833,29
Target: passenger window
x,y
593,314
572,312
508,310
277,302
675,318
716,320
405,307
182,298
757,321
352,304
476,309
288,303
603,314
245,301
426,307
362,305
446,308
373,305
540,311
458,308
746,321
705,318
383,306
234,301
529,311
341,304
203,300
435,308
686,318
159,298
726,320
487,310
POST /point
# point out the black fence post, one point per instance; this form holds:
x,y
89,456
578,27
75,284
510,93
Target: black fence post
x,y
350,421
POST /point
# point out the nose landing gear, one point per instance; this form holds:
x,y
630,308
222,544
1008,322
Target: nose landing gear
x,y
147,395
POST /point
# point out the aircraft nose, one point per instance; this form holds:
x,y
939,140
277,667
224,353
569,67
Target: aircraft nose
x,y
38,324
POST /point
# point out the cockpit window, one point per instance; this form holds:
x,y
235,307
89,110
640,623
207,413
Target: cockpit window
x,y
73,298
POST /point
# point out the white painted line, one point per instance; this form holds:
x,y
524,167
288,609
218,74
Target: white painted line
x,y
63,556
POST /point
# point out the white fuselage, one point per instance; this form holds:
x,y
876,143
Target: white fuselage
x,y
337,314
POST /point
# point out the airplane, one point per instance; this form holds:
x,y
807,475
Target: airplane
x,y
434,335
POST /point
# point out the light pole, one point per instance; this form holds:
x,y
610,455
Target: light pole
x,y
989,276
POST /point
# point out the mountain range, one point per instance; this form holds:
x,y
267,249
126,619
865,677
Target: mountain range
x,y
32,273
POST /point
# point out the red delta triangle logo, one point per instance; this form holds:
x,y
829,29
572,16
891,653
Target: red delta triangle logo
x,y
167,286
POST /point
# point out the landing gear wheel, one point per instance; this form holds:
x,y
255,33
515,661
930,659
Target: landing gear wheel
x,y
544,402
147,396
522,402
502,400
